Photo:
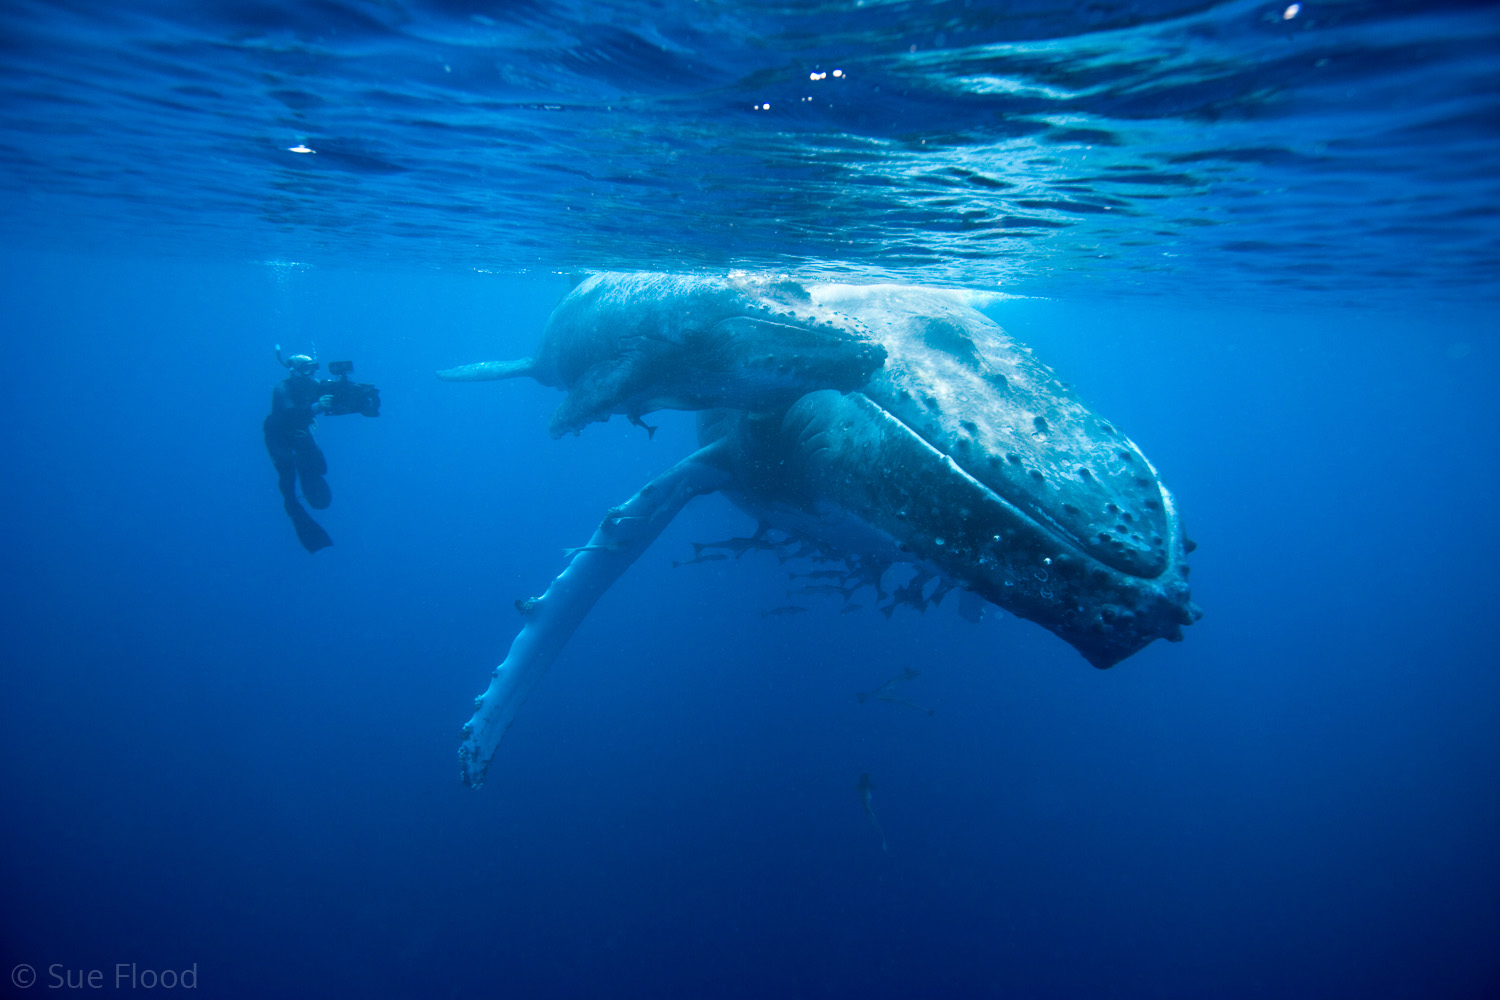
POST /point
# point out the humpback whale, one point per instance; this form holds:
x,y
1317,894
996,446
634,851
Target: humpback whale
x,y
876,424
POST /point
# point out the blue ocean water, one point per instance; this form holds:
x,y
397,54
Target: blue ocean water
x,y
1261,238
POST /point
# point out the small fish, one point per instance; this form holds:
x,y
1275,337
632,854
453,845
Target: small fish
x,y
785,609
809,550
864,788
912,594
818,590
702,558
819,574
739,546
898,700
887,692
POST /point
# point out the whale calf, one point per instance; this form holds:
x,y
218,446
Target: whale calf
x,y
634,343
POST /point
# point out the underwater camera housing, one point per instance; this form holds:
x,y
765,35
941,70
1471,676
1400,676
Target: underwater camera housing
x,y
351,397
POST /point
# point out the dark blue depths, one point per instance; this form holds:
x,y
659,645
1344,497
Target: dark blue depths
x,y
221,751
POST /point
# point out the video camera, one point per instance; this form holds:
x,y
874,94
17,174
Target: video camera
x,y
350,397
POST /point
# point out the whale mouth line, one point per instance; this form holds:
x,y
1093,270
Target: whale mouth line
x,y
1038,515
1056,532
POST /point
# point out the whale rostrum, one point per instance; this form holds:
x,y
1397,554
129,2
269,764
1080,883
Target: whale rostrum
x,y
881,424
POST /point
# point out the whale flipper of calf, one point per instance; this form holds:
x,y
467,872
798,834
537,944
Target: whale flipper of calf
x,y
634,343
883,423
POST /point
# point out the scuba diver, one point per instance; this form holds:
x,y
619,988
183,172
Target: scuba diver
x,y
288,429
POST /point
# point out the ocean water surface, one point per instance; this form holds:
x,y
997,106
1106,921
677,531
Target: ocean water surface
x,y
1261,238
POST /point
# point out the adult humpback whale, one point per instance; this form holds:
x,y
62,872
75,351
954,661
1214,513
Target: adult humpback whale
x,y
884,423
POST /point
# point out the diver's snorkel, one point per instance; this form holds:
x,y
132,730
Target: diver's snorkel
x,y
280,360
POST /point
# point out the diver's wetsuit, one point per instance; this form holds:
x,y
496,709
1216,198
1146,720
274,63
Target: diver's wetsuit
x,y
296,455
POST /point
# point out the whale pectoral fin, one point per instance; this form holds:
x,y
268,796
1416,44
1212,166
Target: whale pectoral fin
x,y
552,618
488,371
594,396
782,355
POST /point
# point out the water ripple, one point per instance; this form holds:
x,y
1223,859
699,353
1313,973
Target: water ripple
x,y
1027,144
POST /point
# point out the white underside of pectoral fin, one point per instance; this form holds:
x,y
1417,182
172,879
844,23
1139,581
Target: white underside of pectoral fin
x,y
551,619
490,371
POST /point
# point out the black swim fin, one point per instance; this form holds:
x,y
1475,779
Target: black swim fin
x,y
309,532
